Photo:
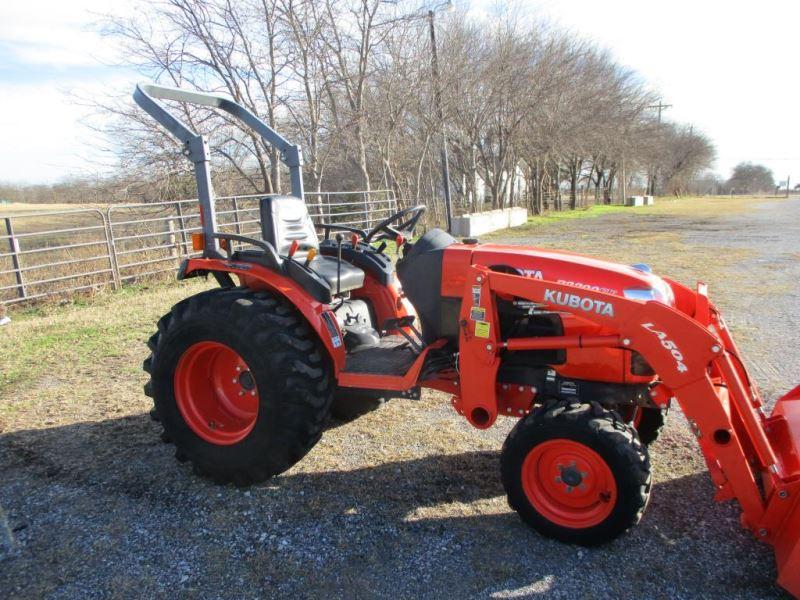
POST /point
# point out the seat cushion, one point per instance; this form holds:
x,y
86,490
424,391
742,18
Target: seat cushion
x,y
325,267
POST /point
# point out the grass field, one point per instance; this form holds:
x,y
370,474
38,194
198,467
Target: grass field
x,y
404,502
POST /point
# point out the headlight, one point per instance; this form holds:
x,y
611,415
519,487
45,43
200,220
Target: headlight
x,y
641,294
661,292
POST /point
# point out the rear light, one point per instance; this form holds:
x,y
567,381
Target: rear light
x,y
198,242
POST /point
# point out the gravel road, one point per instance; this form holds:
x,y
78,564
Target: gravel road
x,y
406,501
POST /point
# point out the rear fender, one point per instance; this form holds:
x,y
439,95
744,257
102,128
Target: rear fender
x,y
257,277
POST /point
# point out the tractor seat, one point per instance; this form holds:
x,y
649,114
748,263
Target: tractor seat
x,y
284,220
352,277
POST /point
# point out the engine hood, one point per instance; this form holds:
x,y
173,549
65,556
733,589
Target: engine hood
x,y
572,269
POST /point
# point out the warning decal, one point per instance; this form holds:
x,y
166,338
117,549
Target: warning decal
x,y
476,295
482,329
477,313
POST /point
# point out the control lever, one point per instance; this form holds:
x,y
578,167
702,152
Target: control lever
x,y
339,239
400,324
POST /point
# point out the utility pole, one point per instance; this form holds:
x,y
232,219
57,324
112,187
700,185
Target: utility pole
x,y
624,182
788,179
651,186
437,96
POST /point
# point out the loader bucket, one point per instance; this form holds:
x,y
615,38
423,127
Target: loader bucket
x,y
784,431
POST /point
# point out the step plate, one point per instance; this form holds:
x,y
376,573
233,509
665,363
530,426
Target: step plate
x,y
392,356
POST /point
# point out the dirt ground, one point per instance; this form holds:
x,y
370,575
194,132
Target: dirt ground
x,y
404,502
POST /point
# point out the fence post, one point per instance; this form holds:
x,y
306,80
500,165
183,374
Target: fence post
x,y
367,216
112,259
236,216
172,240
113,246
13,245
182,223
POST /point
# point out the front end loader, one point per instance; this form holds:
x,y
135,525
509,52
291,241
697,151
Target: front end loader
x,y
588,355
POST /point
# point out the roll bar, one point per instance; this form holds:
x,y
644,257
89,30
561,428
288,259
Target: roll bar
x,y
196,146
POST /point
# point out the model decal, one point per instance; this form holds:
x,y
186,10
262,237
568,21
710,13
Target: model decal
x,y
669,345
587,286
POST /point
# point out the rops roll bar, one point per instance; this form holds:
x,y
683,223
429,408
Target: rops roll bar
x,y
196,146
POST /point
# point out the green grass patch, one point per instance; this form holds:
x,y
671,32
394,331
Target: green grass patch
x,y
579,213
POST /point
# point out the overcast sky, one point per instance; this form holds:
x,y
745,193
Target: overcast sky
x,y
728,67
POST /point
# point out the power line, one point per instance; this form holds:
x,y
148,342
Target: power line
x,y
660,106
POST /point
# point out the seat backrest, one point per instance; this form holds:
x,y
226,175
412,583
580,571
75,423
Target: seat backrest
x,y
285,219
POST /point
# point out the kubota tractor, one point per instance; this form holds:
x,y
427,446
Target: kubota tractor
x,y
587,354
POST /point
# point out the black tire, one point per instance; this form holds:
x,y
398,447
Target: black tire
x,y
290,369
349,405
651,422
600,430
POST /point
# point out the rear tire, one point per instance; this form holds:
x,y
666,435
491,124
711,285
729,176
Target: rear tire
x,y
267,413
576,473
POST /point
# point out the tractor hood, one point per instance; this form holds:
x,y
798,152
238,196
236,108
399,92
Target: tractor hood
x,y
636,282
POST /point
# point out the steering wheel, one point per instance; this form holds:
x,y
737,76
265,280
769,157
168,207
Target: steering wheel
x,y
386,231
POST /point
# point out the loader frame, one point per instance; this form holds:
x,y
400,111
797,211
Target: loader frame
x,y
750,456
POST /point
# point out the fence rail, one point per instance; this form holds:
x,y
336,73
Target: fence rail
x,y
59,253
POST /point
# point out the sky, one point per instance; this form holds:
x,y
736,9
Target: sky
x,y
724,66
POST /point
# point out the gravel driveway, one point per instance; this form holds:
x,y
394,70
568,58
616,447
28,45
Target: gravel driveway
x,y
404,502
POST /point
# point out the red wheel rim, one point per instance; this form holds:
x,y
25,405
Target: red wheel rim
x,y
216,393
569,484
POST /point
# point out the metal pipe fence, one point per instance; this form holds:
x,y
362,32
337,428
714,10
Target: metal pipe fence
x,y
59,253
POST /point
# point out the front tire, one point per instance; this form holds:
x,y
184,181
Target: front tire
x,y
649,422
240,384
576,473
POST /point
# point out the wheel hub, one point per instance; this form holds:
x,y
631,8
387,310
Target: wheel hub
x,y
216,393
569,483
571,476
247,381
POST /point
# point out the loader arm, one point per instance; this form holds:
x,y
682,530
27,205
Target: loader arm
x,y
750,457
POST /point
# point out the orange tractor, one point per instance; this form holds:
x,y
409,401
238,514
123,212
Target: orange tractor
x,y
587,354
